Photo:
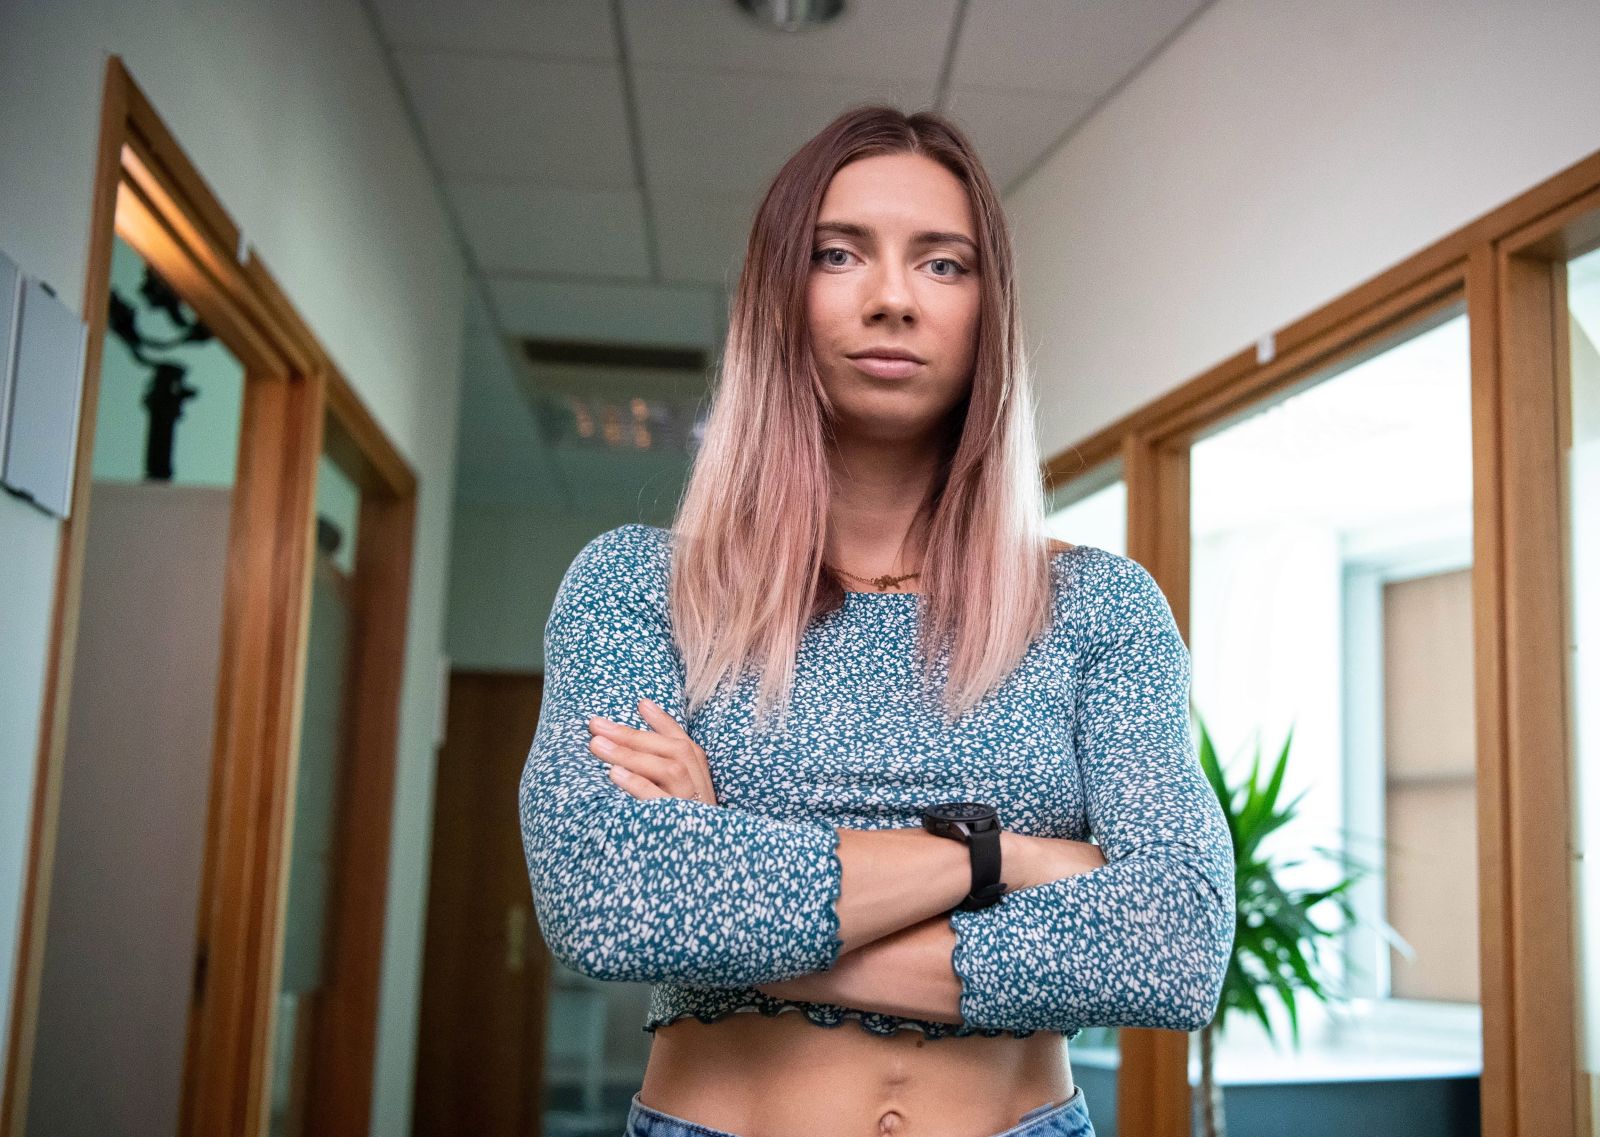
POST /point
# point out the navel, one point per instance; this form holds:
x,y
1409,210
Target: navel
x,y
890,1122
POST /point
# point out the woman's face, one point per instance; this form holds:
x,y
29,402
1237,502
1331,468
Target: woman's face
x,y
894,266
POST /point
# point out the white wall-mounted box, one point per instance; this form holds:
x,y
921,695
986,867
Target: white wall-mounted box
x,y
10,309
44,394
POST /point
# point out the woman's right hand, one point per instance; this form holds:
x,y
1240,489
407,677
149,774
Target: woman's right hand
x,y
1027,861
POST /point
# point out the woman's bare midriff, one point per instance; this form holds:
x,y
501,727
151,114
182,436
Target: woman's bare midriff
x,y
786,1076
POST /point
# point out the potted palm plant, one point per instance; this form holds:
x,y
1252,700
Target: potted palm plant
x,y
1277,947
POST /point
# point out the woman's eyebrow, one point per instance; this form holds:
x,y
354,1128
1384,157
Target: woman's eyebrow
x,y
865,233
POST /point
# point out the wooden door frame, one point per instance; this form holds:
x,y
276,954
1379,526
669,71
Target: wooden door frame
x,y
147,191
344,1043
1525,288
1505,269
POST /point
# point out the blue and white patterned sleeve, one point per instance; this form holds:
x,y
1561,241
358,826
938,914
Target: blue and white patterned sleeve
x,y
1145,939
664,889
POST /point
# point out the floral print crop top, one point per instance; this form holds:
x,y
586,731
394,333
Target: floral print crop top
x,y
1087,738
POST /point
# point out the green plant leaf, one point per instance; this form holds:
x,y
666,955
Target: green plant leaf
x,y
1270,794
1279,936
1213,770
1252,1003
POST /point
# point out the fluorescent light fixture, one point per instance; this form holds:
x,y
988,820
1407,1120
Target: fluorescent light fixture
x,y
793,15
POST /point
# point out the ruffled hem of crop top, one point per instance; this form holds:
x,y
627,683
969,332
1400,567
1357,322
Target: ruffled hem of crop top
x,y
753,1001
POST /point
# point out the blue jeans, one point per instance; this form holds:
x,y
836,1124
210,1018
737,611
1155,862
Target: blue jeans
x,y
1069,1118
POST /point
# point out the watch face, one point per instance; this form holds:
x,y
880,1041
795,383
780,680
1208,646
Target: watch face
x,y
968,811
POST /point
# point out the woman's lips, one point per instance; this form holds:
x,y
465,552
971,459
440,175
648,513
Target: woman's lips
x,y
884,367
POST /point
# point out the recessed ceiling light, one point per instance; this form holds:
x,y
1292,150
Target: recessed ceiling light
x,y
793,15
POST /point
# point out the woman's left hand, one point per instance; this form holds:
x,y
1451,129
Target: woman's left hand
x,y
662,762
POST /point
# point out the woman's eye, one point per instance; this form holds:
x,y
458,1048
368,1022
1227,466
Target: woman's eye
x,y
820,255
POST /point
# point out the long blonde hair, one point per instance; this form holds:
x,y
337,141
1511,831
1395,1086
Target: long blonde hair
x,y
751,527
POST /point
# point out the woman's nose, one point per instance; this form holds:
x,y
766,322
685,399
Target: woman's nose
x,y
890,293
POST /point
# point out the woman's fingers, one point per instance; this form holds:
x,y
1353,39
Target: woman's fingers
x,y
665,755
657,717
669,777
646,765
647,741
640,787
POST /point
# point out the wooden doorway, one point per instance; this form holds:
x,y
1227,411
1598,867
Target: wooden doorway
x,y
295,407
486,970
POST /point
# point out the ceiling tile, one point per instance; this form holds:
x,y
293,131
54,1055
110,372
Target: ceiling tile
x,y
1052,45
885,39
664,315
515,227
521,103
1013,128
701,233
573,29
725,130
511,118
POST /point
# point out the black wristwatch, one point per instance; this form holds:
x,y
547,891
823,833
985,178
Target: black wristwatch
x,y
979,826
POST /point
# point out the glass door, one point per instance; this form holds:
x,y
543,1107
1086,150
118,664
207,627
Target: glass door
x,y
324,753
1331,627
1582,524
121,957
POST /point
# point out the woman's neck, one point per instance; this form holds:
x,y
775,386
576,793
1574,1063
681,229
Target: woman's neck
x,y
877,520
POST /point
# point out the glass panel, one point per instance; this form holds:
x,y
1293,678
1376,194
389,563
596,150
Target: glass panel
x,y
120,941
1331,614
338,514
1091,510
1583,552
170,394
313,844
595,1053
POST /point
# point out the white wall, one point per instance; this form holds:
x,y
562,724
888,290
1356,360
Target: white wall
x,y
507,562
1274,156
289,115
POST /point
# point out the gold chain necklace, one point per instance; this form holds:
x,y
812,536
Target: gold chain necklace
x,y
882,583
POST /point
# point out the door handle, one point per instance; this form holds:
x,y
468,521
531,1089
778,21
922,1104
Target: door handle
x,y
516,937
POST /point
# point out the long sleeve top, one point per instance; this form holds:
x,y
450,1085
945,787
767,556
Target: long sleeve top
x,y
1087,737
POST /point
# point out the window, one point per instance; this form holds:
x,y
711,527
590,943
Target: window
x,y
1582,498
1331,595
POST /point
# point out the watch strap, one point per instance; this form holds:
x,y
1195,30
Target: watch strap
x,y
987,888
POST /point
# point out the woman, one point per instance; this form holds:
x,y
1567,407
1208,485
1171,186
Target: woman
x,y
751,722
